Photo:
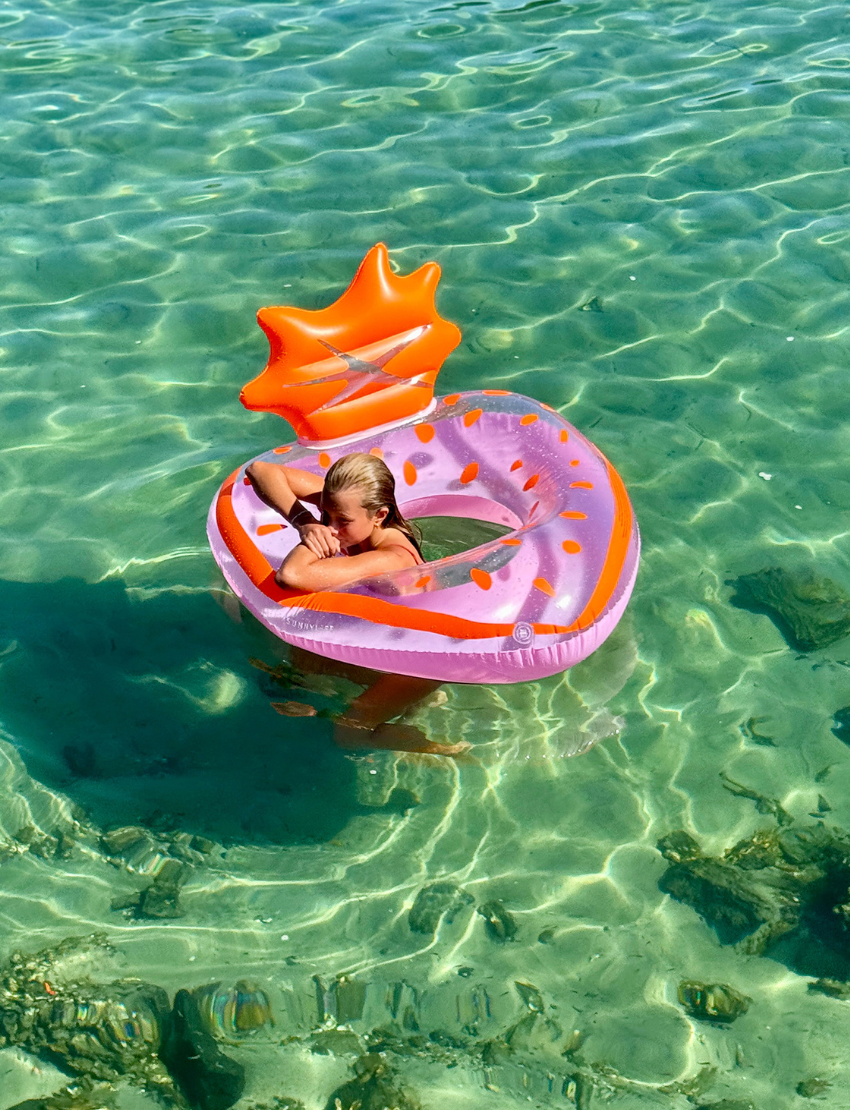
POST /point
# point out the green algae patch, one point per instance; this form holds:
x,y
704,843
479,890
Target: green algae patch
x,y
810,611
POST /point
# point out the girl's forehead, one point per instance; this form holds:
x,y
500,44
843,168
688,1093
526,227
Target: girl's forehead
x,y
344,500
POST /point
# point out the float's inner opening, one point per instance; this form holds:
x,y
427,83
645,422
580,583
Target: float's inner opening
x,y
451,535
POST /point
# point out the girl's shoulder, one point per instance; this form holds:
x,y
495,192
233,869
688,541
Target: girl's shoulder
x,y
394,538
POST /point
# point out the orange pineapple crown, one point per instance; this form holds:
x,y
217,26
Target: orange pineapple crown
x,y
370,358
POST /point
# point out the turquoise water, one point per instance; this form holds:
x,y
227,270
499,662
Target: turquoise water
x,y
641,215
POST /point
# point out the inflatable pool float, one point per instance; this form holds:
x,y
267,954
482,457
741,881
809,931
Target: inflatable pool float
x,y
359,376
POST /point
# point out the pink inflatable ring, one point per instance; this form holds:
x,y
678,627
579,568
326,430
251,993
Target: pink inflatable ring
x,y
523,606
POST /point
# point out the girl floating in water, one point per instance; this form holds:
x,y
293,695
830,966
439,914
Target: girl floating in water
x,y
361,520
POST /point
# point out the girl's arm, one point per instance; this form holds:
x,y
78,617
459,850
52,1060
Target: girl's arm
x,y
284,488
302,569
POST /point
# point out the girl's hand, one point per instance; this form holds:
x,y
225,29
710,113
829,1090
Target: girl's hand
x,y
319,539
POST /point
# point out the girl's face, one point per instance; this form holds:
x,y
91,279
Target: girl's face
x,y
344,514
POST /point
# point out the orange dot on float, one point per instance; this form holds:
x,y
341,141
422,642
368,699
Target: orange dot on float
x,y
470,417
529,418
581,485
516,464
282,450
423,581
265,529
246,481
532,481
511,542
424,432
564,436
324,459
409,472
571,547
452,399
573,462
544,586
470,473
572,514
377,452
481,578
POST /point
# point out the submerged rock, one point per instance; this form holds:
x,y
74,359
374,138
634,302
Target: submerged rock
x,y
679,847
841,727
437,900
101,1032
233,1011
715,1002
499,924
783,889
810,611
209,1079
371,1089
342,1001
161,898
765,805
811,1088
139,850
531,996
832,988
336,1042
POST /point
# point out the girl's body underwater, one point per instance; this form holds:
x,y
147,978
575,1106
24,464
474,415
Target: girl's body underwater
x,y
361,520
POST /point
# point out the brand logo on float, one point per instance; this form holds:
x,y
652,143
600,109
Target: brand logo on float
x,y
370,358
523,634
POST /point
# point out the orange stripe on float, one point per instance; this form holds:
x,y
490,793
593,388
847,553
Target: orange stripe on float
x,y
511,542
267,529
529,418
496,392
470,417
422,581
618,546
324,459
409,472
571,514
470,473
240,544
424,432
481,578
544,586
452,399
581,485
564,436
516,464
532,482
282,450
377,611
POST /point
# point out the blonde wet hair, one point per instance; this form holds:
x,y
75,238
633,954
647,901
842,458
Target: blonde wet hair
x,y
374,481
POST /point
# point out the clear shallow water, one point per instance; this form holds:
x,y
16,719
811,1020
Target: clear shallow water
x,y
641,215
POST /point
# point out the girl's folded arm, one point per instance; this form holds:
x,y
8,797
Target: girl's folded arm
x,y
283,487
302,570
